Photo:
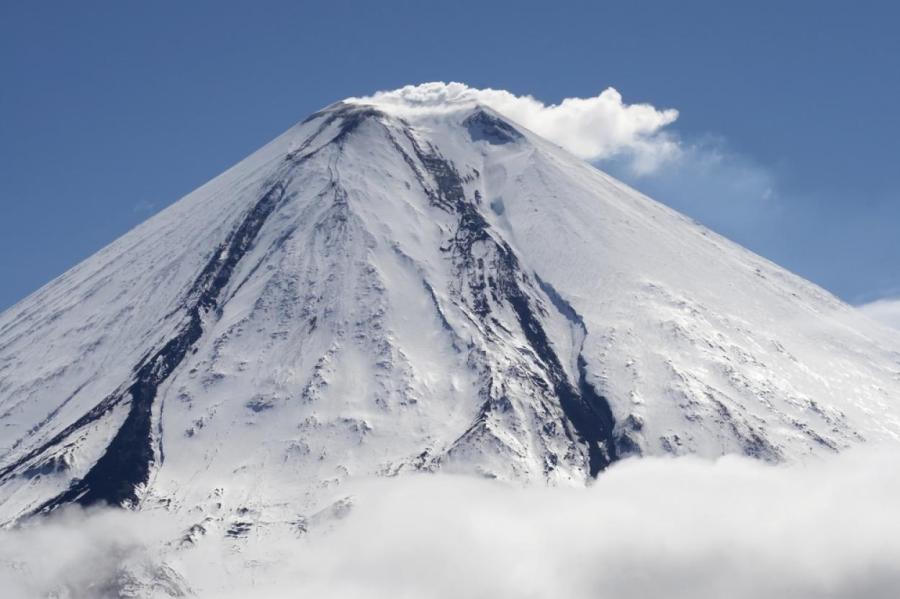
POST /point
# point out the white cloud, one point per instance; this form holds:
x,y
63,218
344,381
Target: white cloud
x,y
886,311
592,128
651,528
674,528
79,554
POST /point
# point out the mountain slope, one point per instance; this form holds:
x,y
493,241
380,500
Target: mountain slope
x,y
378,292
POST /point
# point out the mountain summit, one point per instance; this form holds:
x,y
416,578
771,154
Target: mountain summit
x,y
396,286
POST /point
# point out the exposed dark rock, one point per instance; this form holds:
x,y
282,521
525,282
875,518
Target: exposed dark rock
x,y
239,529
126,462
486,127
587,411
260,404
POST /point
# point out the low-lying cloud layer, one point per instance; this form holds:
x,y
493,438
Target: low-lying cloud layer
x,y
594,128
77,554
653,528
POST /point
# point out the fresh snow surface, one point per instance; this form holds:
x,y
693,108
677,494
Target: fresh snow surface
x,y
383,290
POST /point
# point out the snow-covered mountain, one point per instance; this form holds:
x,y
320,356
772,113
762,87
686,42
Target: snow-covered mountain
x,y
381,291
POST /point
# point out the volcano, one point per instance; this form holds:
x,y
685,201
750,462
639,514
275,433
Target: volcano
x,y
388,289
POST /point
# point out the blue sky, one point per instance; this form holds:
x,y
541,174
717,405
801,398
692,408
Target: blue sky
x,y
788,125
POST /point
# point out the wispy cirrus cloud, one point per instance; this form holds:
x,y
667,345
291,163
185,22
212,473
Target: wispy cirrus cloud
x,y
707,180
886,311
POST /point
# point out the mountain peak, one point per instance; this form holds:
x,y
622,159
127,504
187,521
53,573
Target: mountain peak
x,y
424,99
411,282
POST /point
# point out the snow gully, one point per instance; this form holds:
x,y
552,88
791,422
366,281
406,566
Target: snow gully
x,y
126,463
588,412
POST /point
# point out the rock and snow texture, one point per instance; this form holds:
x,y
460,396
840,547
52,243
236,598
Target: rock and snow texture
x,y
381,291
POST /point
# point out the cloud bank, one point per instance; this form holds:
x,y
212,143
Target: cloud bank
x,y
886,311
651,528
95,554
594,128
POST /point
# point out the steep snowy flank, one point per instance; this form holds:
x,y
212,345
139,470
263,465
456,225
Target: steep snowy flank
x,y
383,290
